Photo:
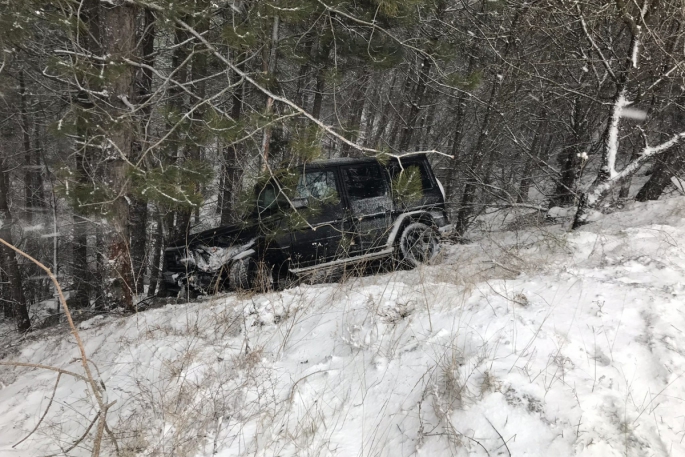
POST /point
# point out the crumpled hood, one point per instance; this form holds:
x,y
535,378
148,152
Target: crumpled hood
x,y
225,236
210,250
212,258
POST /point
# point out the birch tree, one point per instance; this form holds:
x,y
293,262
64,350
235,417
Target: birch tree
x,y
640,31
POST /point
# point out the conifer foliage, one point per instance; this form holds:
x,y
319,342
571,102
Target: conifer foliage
x,y
127,124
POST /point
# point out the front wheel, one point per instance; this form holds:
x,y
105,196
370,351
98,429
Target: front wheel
x,y
418,244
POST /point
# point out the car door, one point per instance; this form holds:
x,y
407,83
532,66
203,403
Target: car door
x,y
316,226
369,207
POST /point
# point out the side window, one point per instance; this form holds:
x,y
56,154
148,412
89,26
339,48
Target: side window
x,y
318,186
395,170
364,181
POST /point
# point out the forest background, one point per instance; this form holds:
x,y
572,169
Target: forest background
x,y
125,124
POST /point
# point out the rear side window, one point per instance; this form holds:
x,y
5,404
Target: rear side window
x,y
394,170
364,181
318,185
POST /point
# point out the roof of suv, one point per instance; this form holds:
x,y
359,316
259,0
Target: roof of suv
x,y
350,161
341,161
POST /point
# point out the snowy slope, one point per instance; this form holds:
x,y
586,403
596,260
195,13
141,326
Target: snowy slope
x,y
527,343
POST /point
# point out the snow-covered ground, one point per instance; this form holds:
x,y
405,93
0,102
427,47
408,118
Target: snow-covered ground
x,y
535,342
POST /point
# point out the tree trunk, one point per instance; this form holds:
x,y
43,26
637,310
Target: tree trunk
x,y
300,98
322,61
155,271
233,159
29,191
416,104
270,70
477,156
426,127
139,206
83,282
174,226
527,179
664,169
168,236
399,120
232,177
356,111
194,150
19,305
374,140
453,164
5,289
119,21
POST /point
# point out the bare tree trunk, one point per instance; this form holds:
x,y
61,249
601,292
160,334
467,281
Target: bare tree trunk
x,y
19,305
664,169
422,141
155,271
194,149
527,179
322,60
29,191
398,118
118,25
167,223
233,161
416,104
386,109
270,69
139,205
174,226
625,185
568,163
304,69
356,111
477,157
5,291
453,165
83,281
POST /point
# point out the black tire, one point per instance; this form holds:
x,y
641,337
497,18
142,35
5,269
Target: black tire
x,y
418,244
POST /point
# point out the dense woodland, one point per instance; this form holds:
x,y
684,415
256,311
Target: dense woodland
x,y
125,124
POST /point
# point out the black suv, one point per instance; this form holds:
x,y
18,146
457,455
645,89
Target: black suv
x,y
318,218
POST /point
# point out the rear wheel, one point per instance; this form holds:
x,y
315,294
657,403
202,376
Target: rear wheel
x,y
418,244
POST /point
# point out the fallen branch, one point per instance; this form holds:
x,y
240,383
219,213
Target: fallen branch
x,y
44,367
84,359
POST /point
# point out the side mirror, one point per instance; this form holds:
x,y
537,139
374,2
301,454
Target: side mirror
x,y
300,203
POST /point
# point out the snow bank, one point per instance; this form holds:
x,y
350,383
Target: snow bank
x,y
536,343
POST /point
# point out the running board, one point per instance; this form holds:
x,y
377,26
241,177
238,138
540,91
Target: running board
x,y
334,263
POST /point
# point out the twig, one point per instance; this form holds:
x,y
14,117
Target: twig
x,y
45,367
54,390
292,389
497,264
498,434
112,437
81,438
84,359
101,429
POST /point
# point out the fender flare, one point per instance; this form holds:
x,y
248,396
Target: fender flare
x,y
405,219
